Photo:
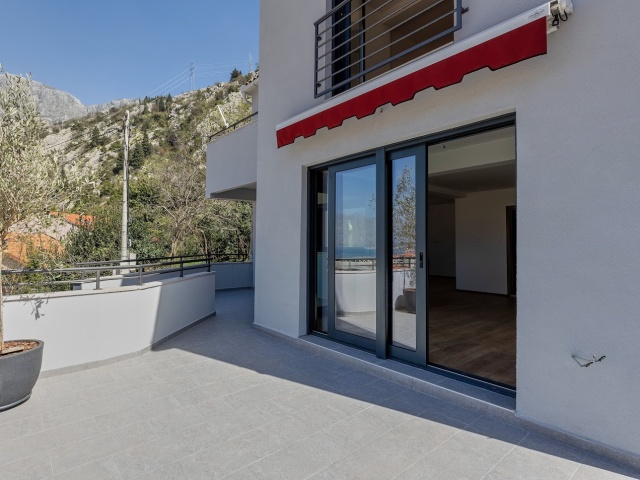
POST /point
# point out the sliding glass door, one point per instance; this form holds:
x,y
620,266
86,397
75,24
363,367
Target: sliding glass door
x,y
411,252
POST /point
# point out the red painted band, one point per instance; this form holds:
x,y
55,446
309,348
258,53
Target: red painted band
x,y
520,44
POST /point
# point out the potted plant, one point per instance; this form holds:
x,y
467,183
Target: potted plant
x,y
32,183
404,233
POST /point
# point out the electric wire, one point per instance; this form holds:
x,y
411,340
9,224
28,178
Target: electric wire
x,y
168,81
212,69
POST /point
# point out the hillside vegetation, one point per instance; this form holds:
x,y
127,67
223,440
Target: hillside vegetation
x,y
169,214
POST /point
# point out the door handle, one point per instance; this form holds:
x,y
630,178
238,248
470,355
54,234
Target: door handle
x,y
421,260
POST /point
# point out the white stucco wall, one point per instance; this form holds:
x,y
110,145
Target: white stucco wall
x,y
578,112
80,327
231,160
355,292
481,241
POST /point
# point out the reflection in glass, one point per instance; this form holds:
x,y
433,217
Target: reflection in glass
x,y
403,211
321,249
355,244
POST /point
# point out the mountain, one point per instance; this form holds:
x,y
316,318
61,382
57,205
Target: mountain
x,y
165,124
57,106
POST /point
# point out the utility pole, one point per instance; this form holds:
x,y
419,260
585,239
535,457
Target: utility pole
x,y
125,192
192,74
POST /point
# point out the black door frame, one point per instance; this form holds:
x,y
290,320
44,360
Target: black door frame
x,y
380,157
512,232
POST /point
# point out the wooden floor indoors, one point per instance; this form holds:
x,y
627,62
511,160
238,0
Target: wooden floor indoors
x,y
472,332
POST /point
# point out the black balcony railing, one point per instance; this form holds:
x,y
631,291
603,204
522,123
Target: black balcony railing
x,y
360,39
240,123
141,269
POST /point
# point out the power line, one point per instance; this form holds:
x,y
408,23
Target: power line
x,y
168,81
169,88
190,74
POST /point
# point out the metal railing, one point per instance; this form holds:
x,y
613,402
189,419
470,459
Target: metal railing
x,y
240,123
96,272
365,264
357,38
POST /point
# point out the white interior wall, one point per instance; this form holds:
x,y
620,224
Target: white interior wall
x,y
481,241
442,240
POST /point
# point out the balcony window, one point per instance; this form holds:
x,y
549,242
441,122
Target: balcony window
x,y
361,39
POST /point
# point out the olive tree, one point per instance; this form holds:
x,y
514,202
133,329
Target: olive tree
x,y
32,184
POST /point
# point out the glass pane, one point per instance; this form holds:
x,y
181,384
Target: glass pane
x,y
403,222
355,267
321,249
470,245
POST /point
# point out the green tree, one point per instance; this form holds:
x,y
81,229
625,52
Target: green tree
x,y
173,140
162,106
95,137
181,200
98,237
30,180
119,163
235,73
147,148
136,157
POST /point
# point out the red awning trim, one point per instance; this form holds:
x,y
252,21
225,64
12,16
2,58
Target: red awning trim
x,y
522,43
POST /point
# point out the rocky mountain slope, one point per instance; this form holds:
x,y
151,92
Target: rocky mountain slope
x,y
160,126
57,106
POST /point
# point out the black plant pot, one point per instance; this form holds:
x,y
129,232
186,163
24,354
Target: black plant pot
x,y
18,374
409,295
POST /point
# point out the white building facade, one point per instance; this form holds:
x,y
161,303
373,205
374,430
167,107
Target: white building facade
x,y
401,145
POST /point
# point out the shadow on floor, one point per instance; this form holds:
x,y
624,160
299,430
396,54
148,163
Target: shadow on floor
x,y
236,347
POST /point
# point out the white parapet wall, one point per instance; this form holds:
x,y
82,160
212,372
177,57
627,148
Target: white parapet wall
x,y
90,327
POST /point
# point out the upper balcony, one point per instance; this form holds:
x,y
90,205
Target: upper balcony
x,y
359,40
232,154
232,161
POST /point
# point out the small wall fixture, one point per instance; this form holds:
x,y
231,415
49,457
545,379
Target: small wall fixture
x,y
560,10
585,363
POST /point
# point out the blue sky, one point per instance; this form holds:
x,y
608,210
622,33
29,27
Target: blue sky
x,y
100,50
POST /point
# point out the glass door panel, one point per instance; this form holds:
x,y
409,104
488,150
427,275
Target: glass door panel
x,y
353,253
406,170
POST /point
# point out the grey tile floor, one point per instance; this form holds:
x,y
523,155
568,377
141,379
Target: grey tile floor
x,y
224,400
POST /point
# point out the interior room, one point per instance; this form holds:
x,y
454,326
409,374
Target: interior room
x,y
471,255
